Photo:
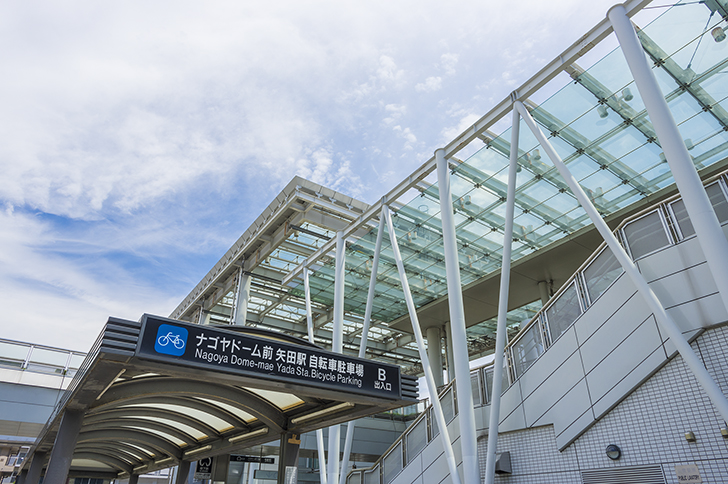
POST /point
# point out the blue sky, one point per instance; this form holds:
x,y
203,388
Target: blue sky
x,y
138,141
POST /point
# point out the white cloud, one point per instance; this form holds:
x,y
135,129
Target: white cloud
x,y
431,84
448,62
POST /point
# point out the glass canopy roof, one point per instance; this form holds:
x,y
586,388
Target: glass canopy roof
x,y
596,121
598,125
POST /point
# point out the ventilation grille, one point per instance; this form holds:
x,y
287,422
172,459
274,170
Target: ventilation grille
x,y
625,475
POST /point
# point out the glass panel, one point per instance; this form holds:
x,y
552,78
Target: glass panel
x,y
489,379
392,463
434,429
646,234
49,357
448,406
475,388
13,354
717,199
563,311
372,476
527,349
416,439
682,219
76,360
600,273
354,478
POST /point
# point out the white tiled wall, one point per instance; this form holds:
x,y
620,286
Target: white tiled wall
x,y
649,427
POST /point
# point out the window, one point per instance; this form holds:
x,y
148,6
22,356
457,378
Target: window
x,y
600,273
563,311
646,235
527,349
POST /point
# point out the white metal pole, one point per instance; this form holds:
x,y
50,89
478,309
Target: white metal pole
x,y
364,338
429,378
448,347
243,296
337,346
500,335
697,204
309,324
466,409
663,319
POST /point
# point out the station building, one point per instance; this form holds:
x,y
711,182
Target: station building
x,y
584,248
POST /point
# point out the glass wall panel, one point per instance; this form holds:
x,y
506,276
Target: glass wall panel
x,y
563,311
13,354
448,405
527,349
475,387
505,383
372,476
717,199
434,429
49,357
416,439
646,234
392,463
600,273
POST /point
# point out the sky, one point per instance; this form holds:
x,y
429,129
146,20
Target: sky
x,y
139,140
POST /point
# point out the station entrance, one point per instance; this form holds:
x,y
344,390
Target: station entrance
x,y
159,393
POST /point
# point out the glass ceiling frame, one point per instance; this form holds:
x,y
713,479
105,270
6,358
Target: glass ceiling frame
x,y
596,122
548,212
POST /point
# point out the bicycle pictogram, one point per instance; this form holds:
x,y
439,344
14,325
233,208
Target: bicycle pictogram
x,y
170,337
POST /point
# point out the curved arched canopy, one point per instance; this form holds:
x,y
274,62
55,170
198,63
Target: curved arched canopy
x,y
149,411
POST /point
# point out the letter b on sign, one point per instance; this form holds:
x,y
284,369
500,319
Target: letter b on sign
x,y
382,374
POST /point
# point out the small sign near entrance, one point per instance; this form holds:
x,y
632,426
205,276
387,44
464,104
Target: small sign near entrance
x,y
688,474
203,469
252,458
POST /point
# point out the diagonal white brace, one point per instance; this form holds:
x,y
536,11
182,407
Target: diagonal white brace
x,y
429,378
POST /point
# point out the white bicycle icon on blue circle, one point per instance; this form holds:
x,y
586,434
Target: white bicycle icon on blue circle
x,y
170,337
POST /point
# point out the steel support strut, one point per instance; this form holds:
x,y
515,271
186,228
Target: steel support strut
x,y
500,338
663,319
466,410
697,204
337,339
429,378
309,324
364,337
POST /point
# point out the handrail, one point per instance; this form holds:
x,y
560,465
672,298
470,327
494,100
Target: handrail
x,y
721,179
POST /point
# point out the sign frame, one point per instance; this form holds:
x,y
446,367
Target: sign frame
x,y
216,349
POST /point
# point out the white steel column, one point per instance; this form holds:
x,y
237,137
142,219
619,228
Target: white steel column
x,y
697,204
337,346
309,323
434,352
466,410
436,406
243,296
364,338
449,350
663,319
500,336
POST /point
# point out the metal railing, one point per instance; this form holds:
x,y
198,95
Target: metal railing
x,y
651,230
39,359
